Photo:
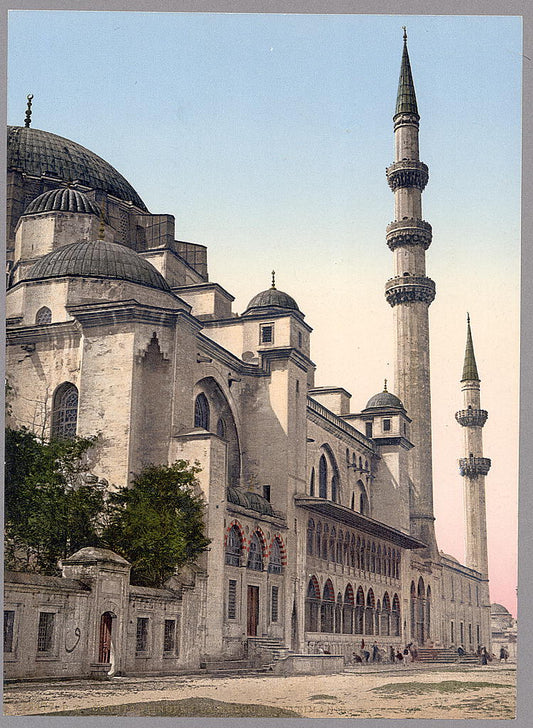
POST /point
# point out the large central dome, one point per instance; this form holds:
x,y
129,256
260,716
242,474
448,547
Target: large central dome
x,y
39,153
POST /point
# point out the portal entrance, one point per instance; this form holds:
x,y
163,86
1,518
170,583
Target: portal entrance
x,y
104,651
253,610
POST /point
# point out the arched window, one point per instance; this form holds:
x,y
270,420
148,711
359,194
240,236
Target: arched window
x,y
43,316
377,617
340,550
359,611
233,547
221,427
348,611
338,614
322,477
352,506
310,536
325,542
255,554
369,612
378,561
385,615
274,565
327,608
353,552
428,614
201,412
312,482
312,605
373,559
332,544
396,616
318,550
334,487
65,411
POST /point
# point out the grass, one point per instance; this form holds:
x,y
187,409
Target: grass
x,y
187,708
446,686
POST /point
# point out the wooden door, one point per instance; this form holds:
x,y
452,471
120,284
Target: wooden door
x,y
253,610
104,651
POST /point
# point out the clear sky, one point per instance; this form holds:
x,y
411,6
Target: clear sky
x,y
267,136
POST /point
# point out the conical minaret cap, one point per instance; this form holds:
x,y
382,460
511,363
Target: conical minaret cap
x,y
406,98
469,367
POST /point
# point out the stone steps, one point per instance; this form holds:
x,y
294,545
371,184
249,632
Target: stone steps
x,y
446,656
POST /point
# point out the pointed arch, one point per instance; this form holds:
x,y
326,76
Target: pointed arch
x,y
312,482
201,412
386,615
327,607
65,411
310,537
312,605
369,612
255,553
43,316
395,616
359,610
322,477
233,544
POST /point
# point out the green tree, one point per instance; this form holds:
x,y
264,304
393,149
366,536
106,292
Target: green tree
x,y
157,522
50,510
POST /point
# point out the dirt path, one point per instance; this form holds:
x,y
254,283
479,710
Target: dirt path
x,y
396,692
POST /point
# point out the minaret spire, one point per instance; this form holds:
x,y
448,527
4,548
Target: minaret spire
x,y
410,292
469,367
406,97
473,466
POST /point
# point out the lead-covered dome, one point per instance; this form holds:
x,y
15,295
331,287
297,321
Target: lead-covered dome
x,y
97,259
64,199
272,298
39,153
384,399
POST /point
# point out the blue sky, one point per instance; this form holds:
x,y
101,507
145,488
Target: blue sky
x,y
267,136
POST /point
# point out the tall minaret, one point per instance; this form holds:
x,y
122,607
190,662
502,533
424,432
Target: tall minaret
x,y
473,466
410,293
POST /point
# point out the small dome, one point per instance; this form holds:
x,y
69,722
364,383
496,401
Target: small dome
x,y
90,554
499,609
384,399
272,298
63,199
97,259
250,500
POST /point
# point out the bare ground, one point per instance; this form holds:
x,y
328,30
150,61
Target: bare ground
x,y
390,691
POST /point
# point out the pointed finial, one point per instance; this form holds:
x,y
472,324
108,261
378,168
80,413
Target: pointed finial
x,y
467,317
27,121
385,386
404,34
470,372
273,279
101,232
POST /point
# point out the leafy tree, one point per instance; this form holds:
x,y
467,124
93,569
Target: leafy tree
x,y
157,522
50,510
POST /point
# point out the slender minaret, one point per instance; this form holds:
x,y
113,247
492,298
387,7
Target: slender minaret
x,y
410,293
473,466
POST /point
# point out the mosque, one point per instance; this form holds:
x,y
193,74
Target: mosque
x,y
320,519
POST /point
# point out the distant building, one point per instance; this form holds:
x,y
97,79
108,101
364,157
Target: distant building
x,y
504,631
320,519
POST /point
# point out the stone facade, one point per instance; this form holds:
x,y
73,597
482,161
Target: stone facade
x,y
320,519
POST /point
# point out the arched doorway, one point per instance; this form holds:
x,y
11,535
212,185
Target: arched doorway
x,y
105,644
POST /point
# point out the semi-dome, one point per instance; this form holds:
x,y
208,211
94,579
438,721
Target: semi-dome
x,y
97,259
496,608
384,399
64,199
272,298
39,153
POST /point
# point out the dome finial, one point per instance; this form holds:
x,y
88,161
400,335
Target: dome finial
x,y
385,386
27,121
273,279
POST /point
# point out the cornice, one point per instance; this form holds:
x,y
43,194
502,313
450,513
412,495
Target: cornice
x,y
44,332
332,423
285,353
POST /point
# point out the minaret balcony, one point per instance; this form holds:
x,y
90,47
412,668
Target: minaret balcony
x,y
407,173
472,467
409,232
407,288
471,417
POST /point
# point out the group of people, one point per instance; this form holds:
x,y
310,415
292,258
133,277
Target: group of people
x,y
376,654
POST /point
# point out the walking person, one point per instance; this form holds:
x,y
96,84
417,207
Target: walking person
x,y
375,652
392,654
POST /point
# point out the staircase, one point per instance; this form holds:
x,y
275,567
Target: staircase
x,y
446,656
260,654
